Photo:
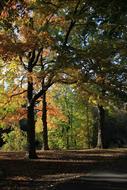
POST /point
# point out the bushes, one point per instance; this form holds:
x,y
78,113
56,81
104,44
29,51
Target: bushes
x,y
14,140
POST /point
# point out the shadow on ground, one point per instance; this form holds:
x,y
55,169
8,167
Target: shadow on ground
x,y
64,170
95,181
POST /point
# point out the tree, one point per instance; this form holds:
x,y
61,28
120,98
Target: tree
x,y
31,52
31,41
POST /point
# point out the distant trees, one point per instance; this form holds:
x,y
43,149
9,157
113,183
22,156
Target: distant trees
x,y
75,128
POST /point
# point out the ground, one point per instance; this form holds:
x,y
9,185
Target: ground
x,y
64,170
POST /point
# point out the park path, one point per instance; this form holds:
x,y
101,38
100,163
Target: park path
x,y
102,180
89,181
65,170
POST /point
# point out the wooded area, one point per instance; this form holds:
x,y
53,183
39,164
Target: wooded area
x,y
63,82
63,94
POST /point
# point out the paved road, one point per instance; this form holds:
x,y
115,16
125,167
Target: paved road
x,y
90,181
96,181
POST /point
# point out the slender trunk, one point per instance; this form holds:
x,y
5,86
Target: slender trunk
x,y
99,140
101,135
71,127
87,128
68,130
30,119
44,121
67,139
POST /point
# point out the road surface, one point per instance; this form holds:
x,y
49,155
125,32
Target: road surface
x,y
96,181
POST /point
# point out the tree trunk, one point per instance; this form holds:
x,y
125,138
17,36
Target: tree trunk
x,y
30,119
87,128
31,132
67,140
44,121
99,139
101,135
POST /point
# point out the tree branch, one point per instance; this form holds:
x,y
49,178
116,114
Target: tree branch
x,y
22,63
37,57
72,24
76,8
68,32
40,93
19,93
83,7
32,57
50,3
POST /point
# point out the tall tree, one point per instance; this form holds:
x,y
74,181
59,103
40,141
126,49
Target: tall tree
x,y
27,37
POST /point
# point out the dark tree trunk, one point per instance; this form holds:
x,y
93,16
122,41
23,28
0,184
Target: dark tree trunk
x,y
30,118
31,132
44,121
101,127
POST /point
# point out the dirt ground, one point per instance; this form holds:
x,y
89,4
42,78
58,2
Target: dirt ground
x,y
59,169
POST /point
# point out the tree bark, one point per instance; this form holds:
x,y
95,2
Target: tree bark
x,y
30,117
44,121
31,132
101,135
